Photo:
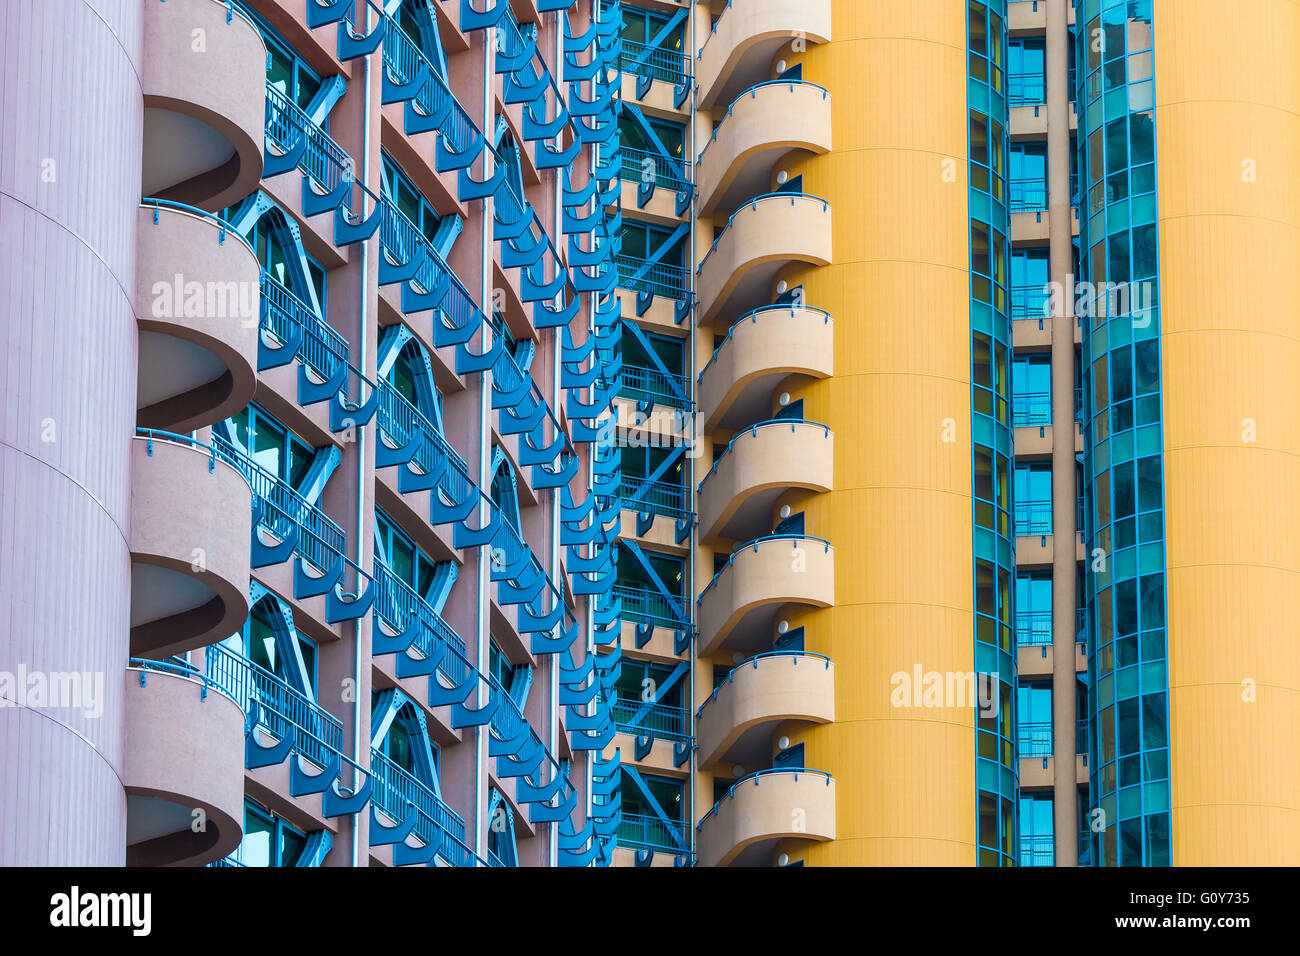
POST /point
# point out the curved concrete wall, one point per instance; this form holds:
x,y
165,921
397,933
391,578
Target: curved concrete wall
x,y
1228,101
70,135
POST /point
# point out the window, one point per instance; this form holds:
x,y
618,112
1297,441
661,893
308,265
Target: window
x,y
671,135
986,55
1033,495
666,792
1031,384
1034,608
410,202
671,571
281,258
791,758
272,446
1036,829
259,642
1028,176
641,240
268,839
285,69
795,524
501,830
1026,64
410,378
1035,725
1030,276
400,555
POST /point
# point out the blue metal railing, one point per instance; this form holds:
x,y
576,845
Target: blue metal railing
x,y
1035,738
401,240
826,545
395,790
1033,517
640,381
659,720
753,663
661,497
661,279
1026,89
1028,195
1030,302
1032,408
642,166
644,832
752,316
283,711
790,423
648,606
398,419
752,93
322,350
752,204
660,63
179,667
731,792
403,59
396,602
324,161
1037,849
1033,628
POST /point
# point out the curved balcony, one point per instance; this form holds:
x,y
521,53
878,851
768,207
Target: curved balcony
x,y
760,810
737,608
745,39
735,725
203,73
762,237
198,306
737,496
762,125
184,770
762,348
191,532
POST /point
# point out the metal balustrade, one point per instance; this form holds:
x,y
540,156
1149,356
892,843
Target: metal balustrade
x,y
1026,89
661,497
396,603
395,789
659,63
1035,738
790,423
401,240
753,204
1033,628
748,545
1029,302
752,92
404,60
731,792
659,720
753,662
271,703
322,349
1033,517
1037,849
278,508
1032,408
398,419
648,606
324,161
753,316
1028,195
640,831
660,278
640,381
643,166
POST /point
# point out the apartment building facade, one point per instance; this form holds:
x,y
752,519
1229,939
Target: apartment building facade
x,y
669,432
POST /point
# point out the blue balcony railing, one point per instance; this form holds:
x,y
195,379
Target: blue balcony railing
x,y
1033,517
643,166
395,790
324,161
322,350
1029,301
660,278
662,497
403,60
1037,849
1035,738
398,419
1026,89
641,831
1033,628
1028,195
660,720
1032,408
396,603
640,382
670,66
648,606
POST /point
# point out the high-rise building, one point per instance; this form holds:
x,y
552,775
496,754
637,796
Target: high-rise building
x,y
649,433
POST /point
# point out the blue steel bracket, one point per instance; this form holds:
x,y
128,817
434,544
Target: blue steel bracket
x,y
524,764
381,835
305,585
681,640
682,752
683,528
338,608
302,783
335,804
264,555
352,45
643,746
462,716
644,857
471,19
258,755
440,696
408,666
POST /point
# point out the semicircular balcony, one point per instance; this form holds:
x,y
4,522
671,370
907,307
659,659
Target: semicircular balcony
x,y
761,238
762,348
761,810
184,770
203,73
198,305
739,50
760,464
737,609
735,725
191,534
763,124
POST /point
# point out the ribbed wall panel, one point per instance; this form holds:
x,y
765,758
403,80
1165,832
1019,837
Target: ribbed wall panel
x,y
70,141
